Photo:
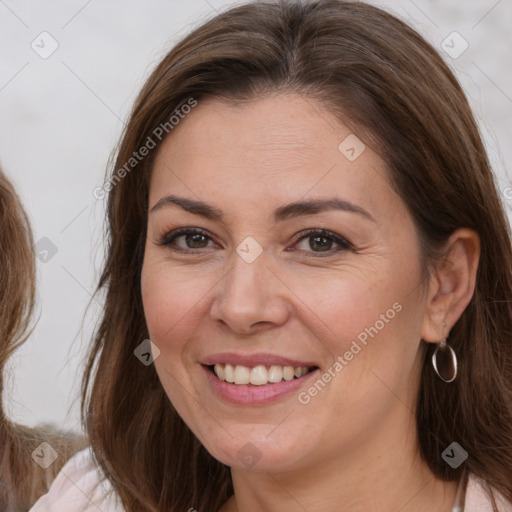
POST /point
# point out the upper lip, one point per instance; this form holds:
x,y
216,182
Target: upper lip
x,y
252,360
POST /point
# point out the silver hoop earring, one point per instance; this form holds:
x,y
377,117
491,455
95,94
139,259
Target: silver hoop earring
x,y
444,362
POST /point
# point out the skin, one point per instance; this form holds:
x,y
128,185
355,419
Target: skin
x,y
355,442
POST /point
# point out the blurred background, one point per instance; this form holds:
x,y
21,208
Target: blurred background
x,y
69,73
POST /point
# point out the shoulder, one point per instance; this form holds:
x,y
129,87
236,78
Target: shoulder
x,y
79,487
478,500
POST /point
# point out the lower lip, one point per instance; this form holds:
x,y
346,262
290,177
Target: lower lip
x,y
248,394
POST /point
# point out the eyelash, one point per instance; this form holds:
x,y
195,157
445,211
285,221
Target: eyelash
x,y
168,239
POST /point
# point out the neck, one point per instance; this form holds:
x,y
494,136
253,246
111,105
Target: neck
x,y
384,473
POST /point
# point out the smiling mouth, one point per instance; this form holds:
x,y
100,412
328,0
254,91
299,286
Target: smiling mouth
x,y
258,375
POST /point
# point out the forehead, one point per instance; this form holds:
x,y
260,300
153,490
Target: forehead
x,y
279,147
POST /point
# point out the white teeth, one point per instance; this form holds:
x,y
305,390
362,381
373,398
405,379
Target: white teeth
x,y
242,374
219,371
288,373
258,375
275,374
229,373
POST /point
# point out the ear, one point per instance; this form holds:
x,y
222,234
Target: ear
x,y
451,284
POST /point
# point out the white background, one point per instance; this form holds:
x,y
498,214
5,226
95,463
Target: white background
x,y
61,118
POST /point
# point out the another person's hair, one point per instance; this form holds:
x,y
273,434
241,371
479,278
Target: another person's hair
x,y
22,481
383,80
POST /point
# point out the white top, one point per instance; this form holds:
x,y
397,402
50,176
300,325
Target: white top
x,y
79,487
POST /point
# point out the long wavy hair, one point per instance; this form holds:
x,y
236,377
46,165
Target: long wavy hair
x,y
380,77
22,481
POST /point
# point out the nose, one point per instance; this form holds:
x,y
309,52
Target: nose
x,y
250,298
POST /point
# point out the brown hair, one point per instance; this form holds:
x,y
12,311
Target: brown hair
x,y
22,481
384,80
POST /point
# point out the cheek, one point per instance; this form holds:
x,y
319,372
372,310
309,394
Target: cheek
x,y
369,324
172,300
377,306
338,304
173,307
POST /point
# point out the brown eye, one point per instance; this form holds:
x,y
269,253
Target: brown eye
x,y
184,239
195,241
321,241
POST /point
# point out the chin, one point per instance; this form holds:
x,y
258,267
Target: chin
x,y
248,449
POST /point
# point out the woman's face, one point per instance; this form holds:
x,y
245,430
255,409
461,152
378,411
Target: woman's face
x,y
252,286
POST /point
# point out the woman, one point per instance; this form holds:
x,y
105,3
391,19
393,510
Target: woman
x,y
303,221
27,466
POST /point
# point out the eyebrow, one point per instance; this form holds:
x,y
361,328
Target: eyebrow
x,y
296,209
